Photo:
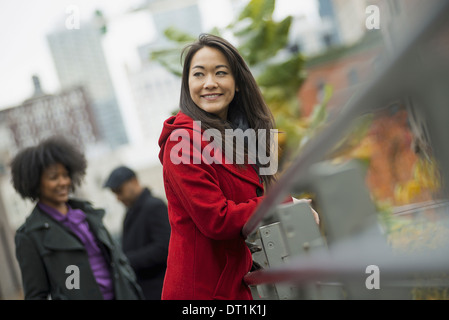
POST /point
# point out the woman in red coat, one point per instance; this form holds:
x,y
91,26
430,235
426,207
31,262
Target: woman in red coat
x,y
211,191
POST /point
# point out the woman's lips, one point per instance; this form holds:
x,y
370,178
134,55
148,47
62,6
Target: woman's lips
x,y
62,193
211,97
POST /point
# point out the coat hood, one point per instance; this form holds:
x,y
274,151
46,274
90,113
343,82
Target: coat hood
x,y
183,121
180,121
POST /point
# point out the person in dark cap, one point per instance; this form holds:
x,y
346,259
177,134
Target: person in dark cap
x,y
146,230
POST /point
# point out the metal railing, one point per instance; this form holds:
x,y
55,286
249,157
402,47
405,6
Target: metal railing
x,y
297,261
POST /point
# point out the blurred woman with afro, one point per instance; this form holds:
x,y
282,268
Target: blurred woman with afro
x,y
63,248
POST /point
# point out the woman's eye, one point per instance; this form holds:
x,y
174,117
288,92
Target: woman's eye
x,y
221,73
198,74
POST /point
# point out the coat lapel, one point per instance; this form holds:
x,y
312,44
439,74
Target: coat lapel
x,y
56,236
59,239
94,218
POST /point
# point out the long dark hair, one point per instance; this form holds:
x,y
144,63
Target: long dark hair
x,y
248,104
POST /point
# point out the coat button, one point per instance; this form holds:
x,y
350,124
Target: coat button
x,y
259,191
46,225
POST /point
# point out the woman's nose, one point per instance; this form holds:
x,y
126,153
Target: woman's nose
x,y
65,180
210,82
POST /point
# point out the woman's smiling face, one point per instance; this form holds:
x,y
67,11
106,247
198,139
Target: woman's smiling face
x,y
211,82
55,185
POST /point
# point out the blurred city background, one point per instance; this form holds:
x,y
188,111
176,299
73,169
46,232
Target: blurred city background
x,y
106,74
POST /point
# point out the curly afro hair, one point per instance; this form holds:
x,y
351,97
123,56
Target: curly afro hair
x,y
28,165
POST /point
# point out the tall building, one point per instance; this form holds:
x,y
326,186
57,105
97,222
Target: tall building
x,y
327,14
182,14
80,61
155,90
328,24
343,21
351,19
10,280
311,33
67,113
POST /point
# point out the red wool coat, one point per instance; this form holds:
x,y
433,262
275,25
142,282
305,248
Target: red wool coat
x,y
208,205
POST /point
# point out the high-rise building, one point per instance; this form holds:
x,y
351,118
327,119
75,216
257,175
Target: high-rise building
x,y
334,23
67,113
80,61
182,14
156,90
350,17
10,281
312,31
327,13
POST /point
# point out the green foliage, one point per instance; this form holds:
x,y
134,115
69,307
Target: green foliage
x,y
265,41
287,75
179,36
170,57
98,14
258,11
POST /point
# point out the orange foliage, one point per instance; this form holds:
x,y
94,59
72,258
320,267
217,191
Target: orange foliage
x,y
392,159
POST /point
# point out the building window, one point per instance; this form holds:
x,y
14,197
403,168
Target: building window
x,y
327,40
353,77
320,91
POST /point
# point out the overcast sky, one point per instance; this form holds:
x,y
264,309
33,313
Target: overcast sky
x,y
25,23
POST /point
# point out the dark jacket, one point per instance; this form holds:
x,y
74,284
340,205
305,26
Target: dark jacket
x,y
45,248
145,238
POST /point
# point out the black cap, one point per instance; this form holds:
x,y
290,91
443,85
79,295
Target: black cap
x,y
118,176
